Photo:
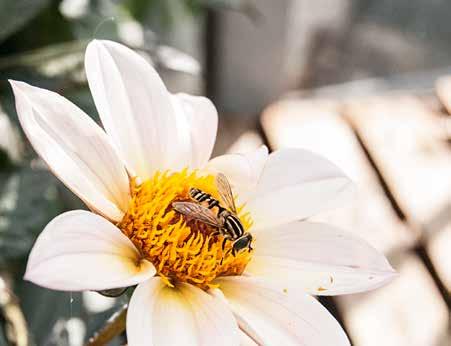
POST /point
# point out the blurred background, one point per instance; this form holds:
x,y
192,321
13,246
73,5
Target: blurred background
x,y
362,82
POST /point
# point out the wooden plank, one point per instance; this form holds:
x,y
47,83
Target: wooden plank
x,y
443,91
438,247
407,142
317,126
408,311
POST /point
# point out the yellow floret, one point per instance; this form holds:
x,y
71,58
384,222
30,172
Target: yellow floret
x,y
180,249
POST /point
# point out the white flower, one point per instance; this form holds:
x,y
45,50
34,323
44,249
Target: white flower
x,y
190,290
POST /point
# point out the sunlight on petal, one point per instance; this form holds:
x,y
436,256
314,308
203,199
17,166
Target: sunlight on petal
x,y
79,250
184,315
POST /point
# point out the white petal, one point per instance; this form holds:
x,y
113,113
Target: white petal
x,y
185,315
246,340
242,170
79,250
296,184
74,147
276,317
318,258
202,122
135,108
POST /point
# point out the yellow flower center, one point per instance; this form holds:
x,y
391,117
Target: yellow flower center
x,y
181,249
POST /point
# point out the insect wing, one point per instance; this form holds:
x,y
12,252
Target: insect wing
x,y
197,212
225,191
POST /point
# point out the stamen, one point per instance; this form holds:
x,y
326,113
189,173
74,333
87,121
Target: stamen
x,y
181,249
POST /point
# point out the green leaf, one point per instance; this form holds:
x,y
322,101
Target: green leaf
x,y
50,313
47,312
43,55
15,14
29,199
3,341
46,28
10,143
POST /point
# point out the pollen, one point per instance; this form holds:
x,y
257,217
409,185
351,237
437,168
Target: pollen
x,y
182,249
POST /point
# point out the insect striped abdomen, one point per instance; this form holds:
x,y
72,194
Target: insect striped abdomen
x,y
200,196
234,226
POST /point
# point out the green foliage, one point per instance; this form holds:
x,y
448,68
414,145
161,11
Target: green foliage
x,y
15,14
43,28
28,200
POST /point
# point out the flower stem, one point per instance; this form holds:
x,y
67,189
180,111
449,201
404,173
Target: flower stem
x,y
13,323
112,328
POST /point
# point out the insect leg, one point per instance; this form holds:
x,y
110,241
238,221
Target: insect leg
x,y
216,233
226,237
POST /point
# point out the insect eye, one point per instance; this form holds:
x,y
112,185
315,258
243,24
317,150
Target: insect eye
x,y
240,244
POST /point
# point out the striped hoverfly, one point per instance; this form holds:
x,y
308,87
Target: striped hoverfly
x,y
225,219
